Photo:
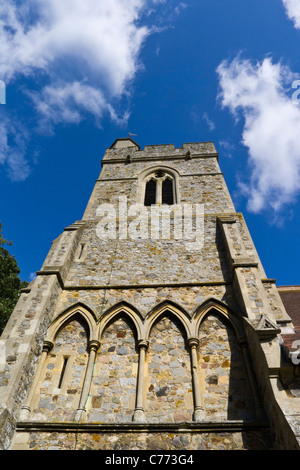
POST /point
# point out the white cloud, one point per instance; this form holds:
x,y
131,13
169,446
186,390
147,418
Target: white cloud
x,y
178,9
102,38
257,93
81,57
13,141
32,276
70,102
66,102
209,122
227,148
293,11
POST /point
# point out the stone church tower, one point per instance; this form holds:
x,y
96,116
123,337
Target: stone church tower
x,y
151,324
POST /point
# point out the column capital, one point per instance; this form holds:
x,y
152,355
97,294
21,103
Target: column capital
x,y
193,342
93,345
47,346
143,343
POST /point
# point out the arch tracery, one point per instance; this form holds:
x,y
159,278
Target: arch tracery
x,y
122,308
79,310
143,329
158,185
214,305
166,308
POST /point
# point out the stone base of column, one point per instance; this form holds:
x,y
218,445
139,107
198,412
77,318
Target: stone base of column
x,y
139,416
80,415
24,413
199,415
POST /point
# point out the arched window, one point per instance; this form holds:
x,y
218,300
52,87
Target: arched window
x,y
159,189
168,381
225,373
167,195
150,193
59,386
113,389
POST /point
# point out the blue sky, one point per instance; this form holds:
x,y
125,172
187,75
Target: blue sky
x,y
80,74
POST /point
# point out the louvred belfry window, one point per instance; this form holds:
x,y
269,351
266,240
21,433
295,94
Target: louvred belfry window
x,y
159,189
167,195
150,193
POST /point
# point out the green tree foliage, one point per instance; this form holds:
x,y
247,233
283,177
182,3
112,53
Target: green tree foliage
x,y
10,282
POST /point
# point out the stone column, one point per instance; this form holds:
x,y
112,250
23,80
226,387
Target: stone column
x,y
92,348
139,413
158,190
26,409
198,414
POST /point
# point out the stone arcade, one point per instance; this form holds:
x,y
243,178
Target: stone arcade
x,y
133,339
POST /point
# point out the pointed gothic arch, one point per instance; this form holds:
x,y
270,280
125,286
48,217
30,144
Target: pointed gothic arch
x,y
122,308
158,185
63,363
211,306
77,310
168,376
114,368
239,380
168,308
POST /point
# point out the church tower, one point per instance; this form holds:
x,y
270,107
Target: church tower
x,y
151,324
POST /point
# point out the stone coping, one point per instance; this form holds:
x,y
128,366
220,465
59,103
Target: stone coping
x,y
48,272
133,178
111,159
178,427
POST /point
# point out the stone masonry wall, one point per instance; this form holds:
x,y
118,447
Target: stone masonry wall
x,y
145,299
168,388
168,384
58,392
141,261
112,395
226,388
144,440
